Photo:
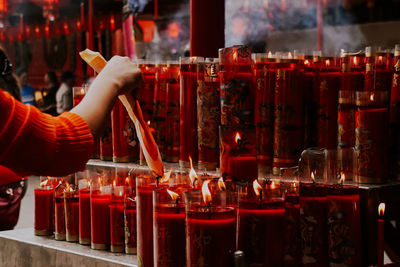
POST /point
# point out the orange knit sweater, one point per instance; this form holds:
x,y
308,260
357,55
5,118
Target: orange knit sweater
x,y
34,143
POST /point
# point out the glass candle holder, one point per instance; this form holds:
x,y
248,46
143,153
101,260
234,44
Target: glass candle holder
x,y
71,206
238,156
130,223
395,115
378,75
44,207
146,96
169,227
210,226
59,212
84,211
100,199
352,72
78,93
160,106
208,113
261,216
343,208
188,110
346,119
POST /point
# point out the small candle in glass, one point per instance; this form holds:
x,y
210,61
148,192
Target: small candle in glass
x,y
59,212
130,223
84,212
44,207
117,237
78,93
71,205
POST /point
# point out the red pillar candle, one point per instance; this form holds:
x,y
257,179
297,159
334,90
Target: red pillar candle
x,y
173,116
344,229
378,75
84,214
261,226
264,77
106,152
169,228
288,124
71,205
160,106
381,234
130,224
210,227
44,208
208,113
188,110
238,159
124,140
371,142
146,95
100,198
346,119
78,94
59,213
352,72
327,84
117,237
395,114
237,88
142,159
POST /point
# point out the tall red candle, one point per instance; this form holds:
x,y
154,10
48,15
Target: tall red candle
x,y
169,228
130,224
261,227
106,152
59,213
160,106
173,116
395,115
188,111
352,72
84,216
117,237
44,210
378,76
346,119
100,218
146,95
71,205
311,97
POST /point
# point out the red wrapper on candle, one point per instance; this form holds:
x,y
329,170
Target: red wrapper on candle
x,y
208,113
237,87
311,98
117,237
106,150
288,124
71,205
160,106
78,94
169,227
59,213
124,140
327,83
146,95
264,75
346,119
173,117
395,116
210,227
100,198
130,224
44,208
84,213
188,110
352,72
261,226
371,142
381,234
145,184
378,75
238,159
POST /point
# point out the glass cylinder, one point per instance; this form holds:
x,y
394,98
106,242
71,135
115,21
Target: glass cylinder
x,y
71,205
372,146
146,95
352,72
130,222
84,211
188,110
117,235
210,226
173,116
208,113
59,212
346,119
344,226
169,227
78,93
106,149
261,216
160,106
264,71
44,207
311,97
395,116
378,75
288,124
238,156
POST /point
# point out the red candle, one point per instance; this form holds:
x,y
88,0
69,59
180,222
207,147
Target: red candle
x,y
117,225
188,111
79,93
346,119
44,210
395,114
243,168
169,228
261,227
381,234
352,75
314,224
59,229
100,219
173,117
130,225
311,97
71,204
106,151
160,107
378,76
146,95
84,216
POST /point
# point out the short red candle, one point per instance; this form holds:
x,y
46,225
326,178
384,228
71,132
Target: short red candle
x,y
71,204
292,247
100,220
117,225
84,216
44,210
130,225
78,98
59,229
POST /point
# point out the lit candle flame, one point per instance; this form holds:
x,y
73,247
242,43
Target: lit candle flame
x,y
192,174
327,62
372,97
44,183
237,137
127,181
381,209
273,186
312,176
121,193
114,183
380,59
269,54
355,61
68,188
257,187
148,123
82,91
173,195
342,178
166,177
235,57
290,56
221,184
99,180
206,192
306,62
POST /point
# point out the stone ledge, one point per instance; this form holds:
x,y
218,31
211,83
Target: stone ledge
x,y
22,248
